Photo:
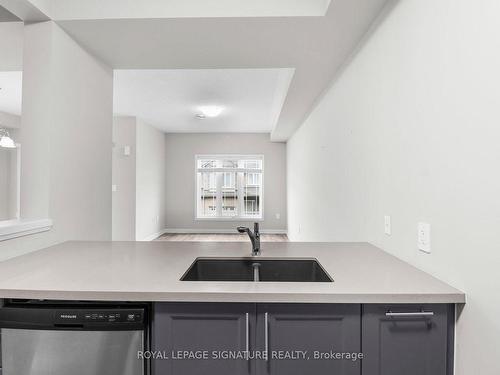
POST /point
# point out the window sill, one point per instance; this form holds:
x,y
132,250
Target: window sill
x,y
10,229
252,219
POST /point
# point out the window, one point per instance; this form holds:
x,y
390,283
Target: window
x,y
253,179
229,180
229,187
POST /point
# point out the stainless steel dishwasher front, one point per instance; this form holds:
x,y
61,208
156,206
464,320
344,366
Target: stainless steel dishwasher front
x,y
76,340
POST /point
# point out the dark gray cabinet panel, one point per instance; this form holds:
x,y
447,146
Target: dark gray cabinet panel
x,y
391,345
407,344
311,328
202,327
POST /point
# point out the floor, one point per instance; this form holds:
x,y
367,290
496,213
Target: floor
x,y
219,237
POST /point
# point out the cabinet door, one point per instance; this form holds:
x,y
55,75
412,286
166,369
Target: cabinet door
x,y
199,327
401,340
306,330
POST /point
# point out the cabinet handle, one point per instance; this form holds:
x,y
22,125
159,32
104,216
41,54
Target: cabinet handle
x,y
409,314
266,336
247,341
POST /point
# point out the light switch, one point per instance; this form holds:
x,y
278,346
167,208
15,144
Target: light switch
x,y
278,216
424,237
387,225
113,188
126,150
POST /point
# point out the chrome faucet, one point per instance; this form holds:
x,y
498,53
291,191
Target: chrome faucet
x,y
254,237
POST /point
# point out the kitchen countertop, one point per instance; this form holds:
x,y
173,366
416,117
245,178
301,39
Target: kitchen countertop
x,y
150,271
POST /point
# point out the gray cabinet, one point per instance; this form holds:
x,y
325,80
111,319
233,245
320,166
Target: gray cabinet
x,y
311,333
410,340
275,330
394,339
184,329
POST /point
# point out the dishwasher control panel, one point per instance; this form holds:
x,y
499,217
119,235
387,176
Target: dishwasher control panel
x,y
54,315
67,316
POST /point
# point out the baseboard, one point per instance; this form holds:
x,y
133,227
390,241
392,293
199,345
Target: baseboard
x,y
153,236
219,231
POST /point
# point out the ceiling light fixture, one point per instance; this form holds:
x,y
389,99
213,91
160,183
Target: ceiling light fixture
x,y
5,140
210,110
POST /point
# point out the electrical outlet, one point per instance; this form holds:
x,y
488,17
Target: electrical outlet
x,y
278,216
387,225
424,237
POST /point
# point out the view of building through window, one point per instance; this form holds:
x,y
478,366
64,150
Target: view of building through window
x,y
229,186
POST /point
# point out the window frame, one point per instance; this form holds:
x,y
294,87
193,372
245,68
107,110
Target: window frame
x,y
238,218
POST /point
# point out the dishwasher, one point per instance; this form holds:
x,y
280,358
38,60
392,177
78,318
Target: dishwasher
x,y
73,338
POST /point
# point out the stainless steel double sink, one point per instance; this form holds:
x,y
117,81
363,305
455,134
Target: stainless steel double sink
x,y
255,269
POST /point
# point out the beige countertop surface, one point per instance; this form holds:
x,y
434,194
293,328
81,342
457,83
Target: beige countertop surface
x,y
151,271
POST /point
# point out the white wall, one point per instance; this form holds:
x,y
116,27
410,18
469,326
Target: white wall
x,y
139,199
325,182
124,178
36,119
8,120
14,178
5,156
11,59
80,144
411,130
150,183
66,129
180,192
9,173
11,46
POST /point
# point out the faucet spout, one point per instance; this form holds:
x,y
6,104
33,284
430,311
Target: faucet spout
x,y
254,237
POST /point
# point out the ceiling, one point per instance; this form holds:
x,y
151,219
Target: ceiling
x,y
316,47
169,99
116,9
6,16
11,84
315,38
